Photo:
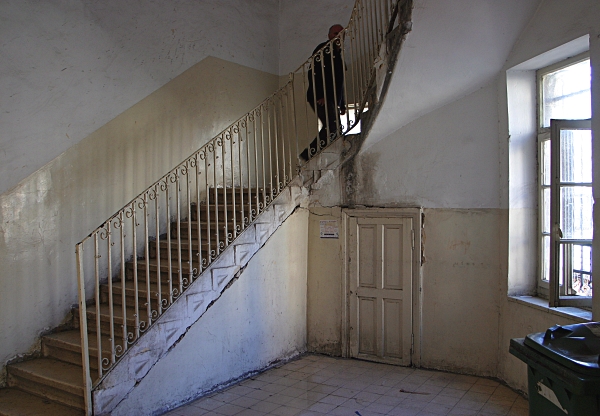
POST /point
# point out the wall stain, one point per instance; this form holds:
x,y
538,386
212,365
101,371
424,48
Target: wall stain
x,y
460,245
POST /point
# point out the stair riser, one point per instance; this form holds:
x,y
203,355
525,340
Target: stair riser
x,y
213,233
130,297
164,272
204,216
185,254
69,356
105,323
23,381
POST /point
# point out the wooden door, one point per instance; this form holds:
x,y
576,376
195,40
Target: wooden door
x,y
380,290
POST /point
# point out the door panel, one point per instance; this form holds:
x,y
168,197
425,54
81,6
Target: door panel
x,y
380,295
367,324
392,313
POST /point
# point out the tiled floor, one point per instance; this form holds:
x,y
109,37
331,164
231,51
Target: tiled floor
x,y
319,385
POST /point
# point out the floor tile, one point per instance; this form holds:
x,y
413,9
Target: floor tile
x,y
319,385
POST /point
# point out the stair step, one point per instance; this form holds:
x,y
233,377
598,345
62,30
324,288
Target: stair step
x,y
117,320
211,210
117,288
15,402
221,191
185,226
49,378
66,346
164,270
185,248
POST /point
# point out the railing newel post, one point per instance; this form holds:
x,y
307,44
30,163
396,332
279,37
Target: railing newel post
x,y
87,379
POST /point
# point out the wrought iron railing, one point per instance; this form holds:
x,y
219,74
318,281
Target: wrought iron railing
x,y
141,260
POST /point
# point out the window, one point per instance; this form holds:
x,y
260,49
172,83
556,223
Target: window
x,y
565,179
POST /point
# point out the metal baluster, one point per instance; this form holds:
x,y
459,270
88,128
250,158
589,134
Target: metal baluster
x,y
345,85
246,223
97,299
87,380
223,245
276,190
209,256
233,195
262,149
147,261
123,299
111,313
198,225
169,251
157,245
356,74
294,118
334,42
136,303
256,177
188,205
304,78
241,128
269,141
216,199
176,174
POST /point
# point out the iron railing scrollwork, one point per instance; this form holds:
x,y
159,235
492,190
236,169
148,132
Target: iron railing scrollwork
x,y
142,259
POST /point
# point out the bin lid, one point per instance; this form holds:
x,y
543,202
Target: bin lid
x,y
574,346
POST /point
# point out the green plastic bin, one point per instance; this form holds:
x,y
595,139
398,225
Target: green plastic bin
x,y
563,371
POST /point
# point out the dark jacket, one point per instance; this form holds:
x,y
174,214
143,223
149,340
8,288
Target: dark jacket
x,y
323,71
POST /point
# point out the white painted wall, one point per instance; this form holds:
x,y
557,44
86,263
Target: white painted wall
x,y
259,320
445,159
305,24
68,67
455,48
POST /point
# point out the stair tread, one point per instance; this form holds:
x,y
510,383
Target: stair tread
x,y
117,311
72,340
14,402
164,266
130,286
69,376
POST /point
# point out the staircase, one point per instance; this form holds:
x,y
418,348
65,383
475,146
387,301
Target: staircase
x,y
53,384
159,263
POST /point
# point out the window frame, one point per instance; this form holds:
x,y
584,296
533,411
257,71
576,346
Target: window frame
x,y
551,289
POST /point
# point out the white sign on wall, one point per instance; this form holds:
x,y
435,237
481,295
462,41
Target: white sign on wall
x,y
329,229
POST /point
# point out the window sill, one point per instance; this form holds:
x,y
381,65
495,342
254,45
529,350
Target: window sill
x,y
542,305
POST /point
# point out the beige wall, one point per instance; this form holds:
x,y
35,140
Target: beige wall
x,y
43,218
518,320
325,285
461,295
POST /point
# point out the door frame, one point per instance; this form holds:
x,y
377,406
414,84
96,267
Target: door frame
x,y
416,214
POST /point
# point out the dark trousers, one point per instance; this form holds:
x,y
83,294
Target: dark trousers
x,y
330,120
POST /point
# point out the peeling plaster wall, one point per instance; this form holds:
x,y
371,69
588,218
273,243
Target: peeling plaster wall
x,y
68,67
260,319
43,218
